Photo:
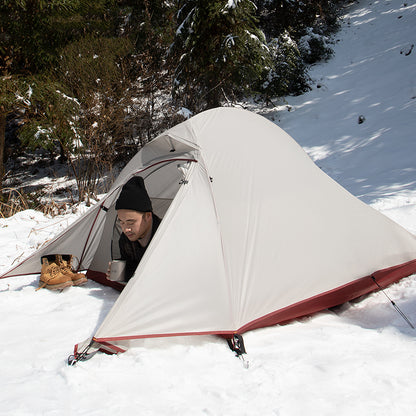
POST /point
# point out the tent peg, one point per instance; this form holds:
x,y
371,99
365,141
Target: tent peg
x,y
236,344
82,356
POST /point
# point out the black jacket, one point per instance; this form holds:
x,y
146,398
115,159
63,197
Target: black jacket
x,y
132,252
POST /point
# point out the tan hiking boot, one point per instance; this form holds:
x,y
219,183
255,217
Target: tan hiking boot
x,y
65,263
51,276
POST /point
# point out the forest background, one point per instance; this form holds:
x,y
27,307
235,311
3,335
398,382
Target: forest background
x,y
83,85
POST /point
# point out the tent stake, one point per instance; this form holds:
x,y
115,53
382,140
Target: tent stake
x,y
236,344
401,313
82,356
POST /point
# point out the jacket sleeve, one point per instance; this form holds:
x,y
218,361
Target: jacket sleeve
x,y
131,264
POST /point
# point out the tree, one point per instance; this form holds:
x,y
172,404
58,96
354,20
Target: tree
x,y
99,79
94,71
295,17
287,75
296,33
150,25
22,24
219,49
33,31
33,35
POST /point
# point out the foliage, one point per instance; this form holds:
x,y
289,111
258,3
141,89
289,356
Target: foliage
x,y
13,200
47,115
287,75
93,63
277,16
33,34
34,31
52,115
96,80
314,47
297,33
220,51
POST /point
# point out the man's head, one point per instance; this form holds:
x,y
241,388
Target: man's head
x,y
134,224
134,209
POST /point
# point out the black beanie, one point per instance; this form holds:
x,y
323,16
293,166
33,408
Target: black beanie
x,y
134,196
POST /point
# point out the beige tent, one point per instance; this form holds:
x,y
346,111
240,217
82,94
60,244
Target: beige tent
x,y
253,234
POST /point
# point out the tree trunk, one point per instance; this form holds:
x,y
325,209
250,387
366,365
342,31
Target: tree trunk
x,y
2,144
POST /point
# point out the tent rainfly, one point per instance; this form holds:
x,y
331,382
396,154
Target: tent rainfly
x,y
253,234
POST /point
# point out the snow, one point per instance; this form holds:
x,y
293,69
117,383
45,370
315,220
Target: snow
x,y
231,4
356,359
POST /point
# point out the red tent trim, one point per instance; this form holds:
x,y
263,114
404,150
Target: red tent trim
x,y
328,299
334,297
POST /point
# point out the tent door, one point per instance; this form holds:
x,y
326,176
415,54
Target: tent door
x,y
162,184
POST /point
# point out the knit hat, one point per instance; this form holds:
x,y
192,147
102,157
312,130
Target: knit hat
x,y
134,196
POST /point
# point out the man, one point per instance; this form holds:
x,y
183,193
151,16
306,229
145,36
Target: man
x,y
138,223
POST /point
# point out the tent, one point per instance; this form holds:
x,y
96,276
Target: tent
x,y
253,234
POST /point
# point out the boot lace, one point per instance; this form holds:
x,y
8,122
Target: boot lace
x,y
53,271
65,269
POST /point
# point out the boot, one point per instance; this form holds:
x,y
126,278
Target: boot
x,y
65,263
51,276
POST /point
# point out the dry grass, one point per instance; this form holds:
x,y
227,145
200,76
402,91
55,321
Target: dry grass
x,y
13,201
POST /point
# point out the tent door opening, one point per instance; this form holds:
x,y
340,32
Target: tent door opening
x,y
162,182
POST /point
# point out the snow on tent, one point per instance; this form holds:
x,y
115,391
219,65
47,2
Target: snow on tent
x,y
253,234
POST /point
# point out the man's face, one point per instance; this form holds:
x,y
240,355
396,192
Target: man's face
x,y
134,224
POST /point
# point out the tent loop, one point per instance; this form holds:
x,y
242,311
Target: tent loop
x,y
172,147
236,344
400,312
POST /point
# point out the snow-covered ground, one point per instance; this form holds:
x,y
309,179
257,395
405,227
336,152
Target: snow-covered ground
x,y
358,359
